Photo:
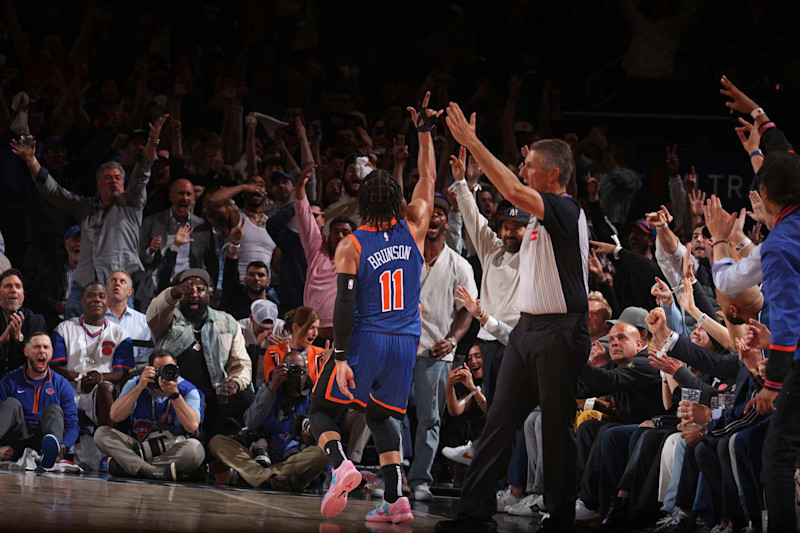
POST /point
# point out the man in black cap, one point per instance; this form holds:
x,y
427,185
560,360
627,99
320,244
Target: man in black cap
x,y
208,345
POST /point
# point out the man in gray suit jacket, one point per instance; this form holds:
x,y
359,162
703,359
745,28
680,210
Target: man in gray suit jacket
x,y
161,256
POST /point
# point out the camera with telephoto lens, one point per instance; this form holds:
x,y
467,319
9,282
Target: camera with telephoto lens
x,y
156,445
168,372
295,371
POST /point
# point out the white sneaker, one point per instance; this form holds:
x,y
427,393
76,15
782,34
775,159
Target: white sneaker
x,y
505,499
460,454
522,507
583,513
422,493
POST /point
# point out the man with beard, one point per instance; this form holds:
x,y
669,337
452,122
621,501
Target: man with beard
x,y
208,346
16,321
499,258
277,413
445,320
320,288
93,354
157,244
110,223
36,406
255,243
50,290
356,168
237,298
119,287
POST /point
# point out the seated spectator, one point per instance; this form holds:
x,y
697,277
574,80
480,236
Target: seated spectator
x,y
209,345
50,290
279,412
119,288
165,412
157,241
466,408
93,354
262,325
302,324
37,408
237,297
16,321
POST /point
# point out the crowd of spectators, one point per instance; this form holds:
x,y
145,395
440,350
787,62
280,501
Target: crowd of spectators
x,y
168,295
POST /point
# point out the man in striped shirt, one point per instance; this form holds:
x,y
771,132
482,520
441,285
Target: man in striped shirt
x,y
550,344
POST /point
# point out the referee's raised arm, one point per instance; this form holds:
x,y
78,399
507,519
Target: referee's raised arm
x,y
527,198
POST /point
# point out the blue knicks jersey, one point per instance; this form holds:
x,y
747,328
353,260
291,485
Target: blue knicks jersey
x,y
387,299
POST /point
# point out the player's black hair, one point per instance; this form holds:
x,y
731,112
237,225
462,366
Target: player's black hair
x,y
380,199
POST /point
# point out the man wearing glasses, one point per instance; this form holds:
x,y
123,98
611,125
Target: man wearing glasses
x,y
208,344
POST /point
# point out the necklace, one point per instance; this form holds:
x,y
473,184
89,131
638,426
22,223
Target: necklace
x,y
197,346
429,264
91,356
260,218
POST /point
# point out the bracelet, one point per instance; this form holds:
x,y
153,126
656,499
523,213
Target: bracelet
x,y
723,241
755,113
660,226
755,153
741,246
152,142
480,317
702,319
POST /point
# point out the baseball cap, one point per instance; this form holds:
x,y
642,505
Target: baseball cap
x,y
74,231
634,316
642,225
440,201
263,311
195,273
276,176
516,214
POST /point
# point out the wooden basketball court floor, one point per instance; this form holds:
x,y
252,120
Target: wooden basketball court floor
x,y
64,502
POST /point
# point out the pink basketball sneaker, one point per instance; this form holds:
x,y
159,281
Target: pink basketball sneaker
x,y
343,480
396,513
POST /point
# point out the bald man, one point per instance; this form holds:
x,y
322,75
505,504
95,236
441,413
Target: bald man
x,y
157,248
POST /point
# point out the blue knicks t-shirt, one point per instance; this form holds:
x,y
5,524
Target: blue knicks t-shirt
x,y
387,299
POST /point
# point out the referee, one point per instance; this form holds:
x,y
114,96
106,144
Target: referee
x,y
550,344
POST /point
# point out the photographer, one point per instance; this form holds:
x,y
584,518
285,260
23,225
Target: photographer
x,y
278,412
163,409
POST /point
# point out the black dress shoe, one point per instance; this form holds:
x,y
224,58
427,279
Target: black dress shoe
x,y
466,523
617,517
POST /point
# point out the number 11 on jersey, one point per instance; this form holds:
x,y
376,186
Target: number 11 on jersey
x,y
392,290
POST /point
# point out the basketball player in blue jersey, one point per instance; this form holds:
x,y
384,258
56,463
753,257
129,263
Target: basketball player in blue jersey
x,y
376,328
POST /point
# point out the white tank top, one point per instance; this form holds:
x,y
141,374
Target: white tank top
x,y
256,244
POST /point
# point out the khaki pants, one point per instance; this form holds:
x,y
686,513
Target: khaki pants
x,y
300,469
186,455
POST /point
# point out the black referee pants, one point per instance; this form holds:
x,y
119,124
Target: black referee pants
x,y
541,364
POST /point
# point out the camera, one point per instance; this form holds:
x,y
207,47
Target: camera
x,y
168,372
156,445
295,371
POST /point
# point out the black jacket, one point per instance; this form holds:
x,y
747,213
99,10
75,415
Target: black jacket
x,y
636,387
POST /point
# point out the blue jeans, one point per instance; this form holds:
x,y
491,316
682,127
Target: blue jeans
x,y
430,377
674,482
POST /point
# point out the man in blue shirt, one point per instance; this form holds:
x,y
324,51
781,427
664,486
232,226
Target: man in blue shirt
x,y
164,411
779,184
37,404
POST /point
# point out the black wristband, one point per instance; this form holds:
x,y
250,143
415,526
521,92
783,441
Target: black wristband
x,y
344,312
425,122
175,396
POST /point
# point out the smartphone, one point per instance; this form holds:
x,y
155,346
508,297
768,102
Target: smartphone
x,y
458,361
26,140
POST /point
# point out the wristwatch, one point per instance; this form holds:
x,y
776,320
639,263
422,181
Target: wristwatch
x,y
452,341
20,338
174,396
